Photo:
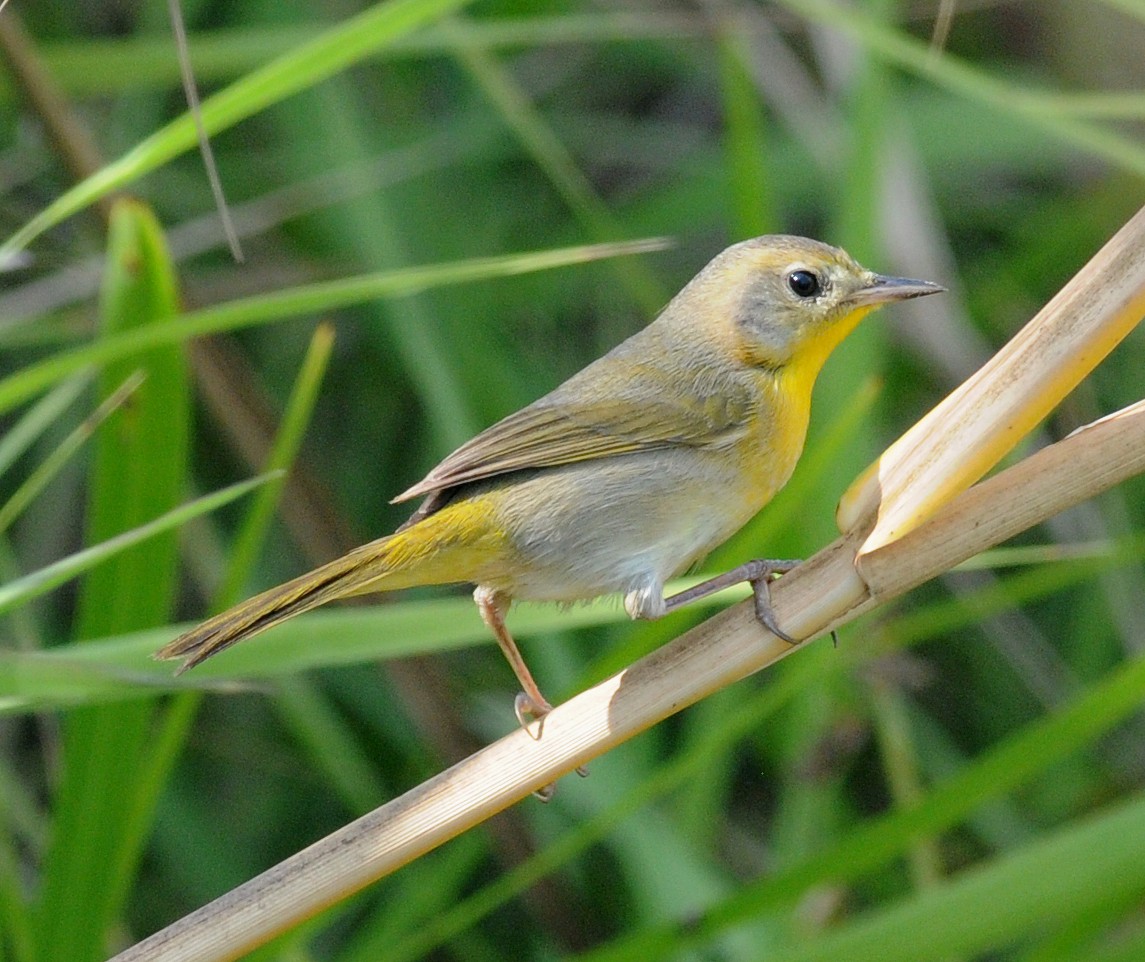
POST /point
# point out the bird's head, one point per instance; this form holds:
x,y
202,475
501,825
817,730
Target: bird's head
x,y
780,298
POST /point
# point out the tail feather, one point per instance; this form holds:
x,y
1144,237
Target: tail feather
x,y
448,545
350,574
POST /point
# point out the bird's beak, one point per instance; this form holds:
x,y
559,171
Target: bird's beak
x,y
881,290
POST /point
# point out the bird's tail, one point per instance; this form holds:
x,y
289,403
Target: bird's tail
x,y
426,553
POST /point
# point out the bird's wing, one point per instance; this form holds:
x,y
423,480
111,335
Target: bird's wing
x,y
564,427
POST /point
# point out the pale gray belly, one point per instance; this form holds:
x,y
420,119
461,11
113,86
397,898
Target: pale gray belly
x,y
621,523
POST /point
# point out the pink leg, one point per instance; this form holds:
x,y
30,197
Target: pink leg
x,y
530,703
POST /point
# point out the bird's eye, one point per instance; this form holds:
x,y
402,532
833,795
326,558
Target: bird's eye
x,y
803,283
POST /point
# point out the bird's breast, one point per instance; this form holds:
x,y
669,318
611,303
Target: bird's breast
x,y
601,526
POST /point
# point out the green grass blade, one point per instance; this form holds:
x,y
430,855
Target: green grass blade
x,y
32,585
753,208
34,422
1045,885
1133,8
553,157
332,51
57,459
335,637
93,65
373,231
323,639
1038,108
309,299
287,441
138,473
17,932
329,741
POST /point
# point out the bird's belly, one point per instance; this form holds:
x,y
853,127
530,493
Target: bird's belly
x,y
582,531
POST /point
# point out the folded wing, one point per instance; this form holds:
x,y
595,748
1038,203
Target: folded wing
x,y
630,409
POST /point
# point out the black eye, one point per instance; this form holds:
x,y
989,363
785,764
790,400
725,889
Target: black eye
x,y
803,283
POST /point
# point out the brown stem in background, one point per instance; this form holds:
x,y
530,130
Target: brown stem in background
x,y
68,134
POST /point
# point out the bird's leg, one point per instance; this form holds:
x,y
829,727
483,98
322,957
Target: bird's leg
x,y
530,704
759,574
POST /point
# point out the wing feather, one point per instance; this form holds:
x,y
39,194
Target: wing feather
x,y
597,414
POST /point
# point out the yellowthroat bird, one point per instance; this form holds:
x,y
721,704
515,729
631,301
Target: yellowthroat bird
x,y
629,472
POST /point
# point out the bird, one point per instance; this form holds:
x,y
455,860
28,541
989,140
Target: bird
x,y
628,473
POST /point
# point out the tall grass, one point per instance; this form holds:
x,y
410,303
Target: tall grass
x,y
960,778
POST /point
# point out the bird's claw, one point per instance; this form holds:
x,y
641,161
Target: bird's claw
x,y
529,710
760,578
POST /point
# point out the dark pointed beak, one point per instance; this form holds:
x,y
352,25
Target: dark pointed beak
x,y
882,290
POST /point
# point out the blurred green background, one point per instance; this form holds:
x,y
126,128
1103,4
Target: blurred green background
x,y
961,778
